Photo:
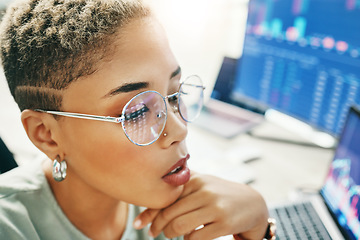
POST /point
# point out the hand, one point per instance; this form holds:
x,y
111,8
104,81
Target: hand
x,y
222,207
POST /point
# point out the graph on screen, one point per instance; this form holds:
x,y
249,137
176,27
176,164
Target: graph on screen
x,y
302,57
343,193
342,186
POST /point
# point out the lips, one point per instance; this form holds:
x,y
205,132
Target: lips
x,y
179,173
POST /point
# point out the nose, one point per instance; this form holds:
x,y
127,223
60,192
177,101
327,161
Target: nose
x,y
175,130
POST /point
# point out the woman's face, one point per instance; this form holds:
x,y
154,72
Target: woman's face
x,y
98,154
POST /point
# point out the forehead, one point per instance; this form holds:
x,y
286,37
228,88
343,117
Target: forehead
x,y
139,53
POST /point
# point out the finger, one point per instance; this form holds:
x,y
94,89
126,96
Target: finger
x,y
208,232
183,206
192,186
188,222
145,218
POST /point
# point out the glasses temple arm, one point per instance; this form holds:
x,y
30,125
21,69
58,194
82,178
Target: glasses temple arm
x,y
195,85
85,116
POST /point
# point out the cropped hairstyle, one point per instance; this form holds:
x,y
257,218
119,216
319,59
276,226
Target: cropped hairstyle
x,y
47,44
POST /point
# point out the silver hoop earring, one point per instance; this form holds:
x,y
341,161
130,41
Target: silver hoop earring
x,y
59,169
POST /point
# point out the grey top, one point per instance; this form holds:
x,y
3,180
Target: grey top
x,y
29,210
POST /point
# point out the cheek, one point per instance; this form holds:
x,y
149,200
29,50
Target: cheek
x,y
92,137
103,158
100,148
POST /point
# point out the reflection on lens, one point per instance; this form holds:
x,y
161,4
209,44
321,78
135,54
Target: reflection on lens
x,y
145,117
145,114
191,98
136,114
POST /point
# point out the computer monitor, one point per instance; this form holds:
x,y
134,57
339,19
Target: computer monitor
x,y
225,84
220,114
302,58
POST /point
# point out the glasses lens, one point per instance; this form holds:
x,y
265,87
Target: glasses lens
x,y
191,98
145,117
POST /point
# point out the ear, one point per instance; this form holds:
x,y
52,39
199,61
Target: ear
x,y
41,129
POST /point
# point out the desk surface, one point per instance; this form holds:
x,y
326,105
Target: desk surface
x,y
280,169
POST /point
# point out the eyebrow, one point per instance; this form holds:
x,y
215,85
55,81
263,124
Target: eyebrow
x,y
176,72
130,87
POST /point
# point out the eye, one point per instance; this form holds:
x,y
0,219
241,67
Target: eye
x,y
174,99
136,112
183,92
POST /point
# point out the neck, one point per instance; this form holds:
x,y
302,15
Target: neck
x,y
95,214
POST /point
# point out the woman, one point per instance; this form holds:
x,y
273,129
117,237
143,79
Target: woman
x,y
102,96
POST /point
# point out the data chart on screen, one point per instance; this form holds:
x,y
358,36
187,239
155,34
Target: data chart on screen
x,y
302,58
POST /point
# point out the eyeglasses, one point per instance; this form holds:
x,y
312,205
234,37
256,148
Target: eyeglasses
x,y
144,117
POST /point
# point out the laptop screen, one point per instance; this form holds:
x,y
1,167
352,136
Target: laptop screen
x,y
341,190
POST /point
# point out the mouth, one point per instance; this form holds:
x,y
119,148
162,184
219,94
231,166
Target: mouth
x,y
179,173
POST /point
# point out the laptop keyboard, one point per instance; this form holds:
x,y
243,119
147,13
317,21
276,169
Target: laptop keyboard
x,y
298,221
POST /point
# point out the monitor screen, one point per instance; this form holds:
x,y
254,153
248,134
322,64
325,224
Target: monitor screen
x,y
302,58
225,83
225,80
342,186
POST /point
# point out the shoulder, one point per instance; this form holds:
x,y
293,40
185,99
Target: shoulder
x,y
28,208
21,180
17,190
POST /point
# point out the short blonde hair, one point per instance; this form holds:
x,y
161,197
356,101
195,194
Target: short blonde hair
x,y
47,44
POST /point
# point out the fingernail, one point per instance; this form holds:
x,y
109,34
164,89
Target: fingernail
x,y
137,224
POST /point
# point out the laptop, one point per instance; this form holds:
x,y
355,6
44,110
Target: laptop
x,y
220,114
333,213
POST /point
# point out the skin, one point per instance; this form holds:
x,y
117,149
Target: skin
x,y
106,171
223,207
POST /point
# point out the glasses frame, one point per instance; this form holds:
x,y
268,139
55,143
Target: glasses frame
x,y
121,119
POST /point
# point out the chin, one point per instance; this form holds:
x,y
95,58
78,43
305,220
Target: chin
x,y
166,199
